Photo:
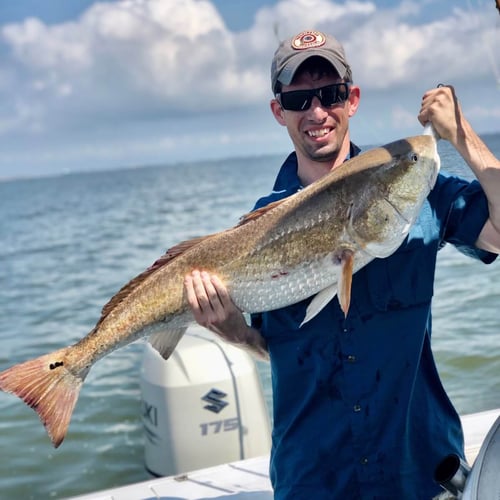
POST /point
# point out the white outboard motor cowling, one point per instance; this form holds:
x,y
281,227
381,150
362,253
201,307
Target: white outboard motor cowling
x,y
204,406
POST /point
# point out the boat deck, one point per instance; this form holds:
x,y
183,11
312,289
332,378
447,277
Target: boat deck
x,y
248,479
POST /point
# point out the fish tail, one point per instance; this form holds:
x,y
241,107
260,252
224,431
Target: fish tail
x,y
47,385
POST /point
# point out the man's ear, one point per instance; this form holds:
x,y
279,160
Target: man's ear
x,y
278,112
354,98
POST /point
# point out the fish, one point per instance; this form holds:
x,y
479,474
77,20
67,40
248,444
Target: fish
x,y
306,245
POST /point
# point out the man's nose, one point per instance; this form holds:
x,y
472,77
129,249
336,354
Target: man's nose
x,y
317,109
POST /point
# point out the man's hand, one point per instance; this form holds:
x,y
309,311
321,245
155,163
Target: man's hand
x,y
213,308
440,106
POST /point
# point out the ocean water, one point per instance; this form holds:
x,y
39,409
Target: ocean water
x,y
68,243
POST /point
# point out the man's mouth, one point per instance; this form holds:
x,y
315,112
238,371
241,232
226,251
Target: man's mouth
x,y
319,133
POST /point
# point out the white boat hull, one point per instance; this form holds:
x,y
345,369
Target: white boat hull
x,y
249,479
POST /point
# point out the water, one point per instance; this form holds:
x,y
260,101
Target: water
x,y
68,243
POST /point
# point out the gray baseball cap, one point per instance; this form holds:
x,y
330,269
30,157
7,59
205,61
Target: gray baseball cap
x,y
291,53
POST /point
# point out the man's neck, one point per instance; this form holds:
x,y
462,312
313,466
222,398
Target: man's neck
x,y
309,170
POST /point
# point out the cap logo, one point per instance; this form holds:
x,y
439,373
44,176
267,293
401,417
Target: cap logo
x,y
308,40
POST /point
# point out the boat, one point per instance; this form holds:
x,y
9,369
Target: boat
x,y
214,441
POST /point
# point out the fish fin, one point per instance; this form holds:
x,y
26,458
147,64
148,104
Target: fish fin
x,y
320,300
165,340
259,212
345,280
343,288
165,259
174,252
49,387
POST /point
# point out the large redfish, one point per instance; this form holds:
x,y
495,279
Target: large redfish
x,y
307,244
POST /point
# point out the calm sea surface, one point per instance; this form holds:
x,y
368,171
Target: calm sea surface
x,y
68,243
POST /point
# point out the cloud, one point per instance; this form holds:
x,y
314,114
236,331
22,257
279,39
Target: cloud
x,y
391,49
132,62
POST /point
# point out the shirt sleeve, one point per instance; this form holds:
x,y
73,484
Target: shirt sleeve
x,y
467,212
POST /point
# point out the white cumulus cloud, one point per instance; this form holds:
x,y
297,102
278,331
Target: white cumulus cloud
x,y
132,62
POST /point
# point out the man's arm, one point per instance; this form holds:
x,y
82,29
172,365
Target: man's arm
x,y
440,106
213,308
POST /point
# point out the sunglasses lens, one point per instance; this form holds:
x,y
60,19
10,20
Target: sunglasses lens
x,y
300,100
333,94
296,100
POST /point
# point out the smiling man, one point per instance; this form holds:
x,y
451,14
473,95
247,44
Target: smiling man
x,y
315,98
359,409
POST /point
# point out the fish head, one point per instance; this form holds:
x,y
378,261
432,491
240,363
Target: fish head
x,y
399,179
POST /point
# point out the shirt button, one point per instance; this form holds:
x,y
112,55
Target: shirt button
x,y
357,408
351,358
364,461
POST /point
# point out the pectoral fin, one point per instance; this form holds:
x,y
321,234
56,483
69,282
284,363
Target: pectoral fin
x,y
319,302
345,280
343,287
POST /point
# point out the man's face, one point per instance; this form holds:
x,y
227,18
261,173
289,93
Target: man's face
x,y
317,133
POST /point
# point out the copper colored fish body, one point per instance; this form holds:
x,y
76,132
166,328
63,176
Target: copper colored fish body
x,y
308,244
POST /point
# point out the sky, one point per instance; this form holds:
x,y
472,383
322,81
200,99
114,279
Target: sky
x,y
88,85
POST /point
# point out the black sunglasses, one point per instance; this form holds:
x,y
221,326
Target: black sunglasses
x,y
300,100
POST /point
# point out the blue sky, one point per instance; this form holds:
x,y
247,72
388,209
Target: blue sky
x,y
90,85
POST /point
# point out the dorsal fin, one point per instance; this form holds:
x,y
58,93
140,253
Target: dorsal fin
x,y
259,212
174,252
165,259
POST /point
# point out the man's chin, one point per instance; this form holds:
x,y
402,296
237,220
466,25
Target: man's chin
x,y
324,156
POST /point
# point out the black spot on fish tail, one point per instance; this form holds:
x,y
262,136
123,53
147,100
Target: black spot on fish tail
x,y
55,365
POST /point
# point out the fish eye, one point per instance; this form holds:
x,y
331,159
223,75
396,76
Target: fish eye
x,y
413,157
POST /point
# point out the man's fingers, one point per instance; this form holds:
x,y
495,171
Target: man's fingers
x,y
210,290
221,290
191,296
195,291
206,296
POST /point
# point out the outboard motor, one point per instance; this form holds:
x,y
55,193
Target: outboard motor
x,y
202,407
482,482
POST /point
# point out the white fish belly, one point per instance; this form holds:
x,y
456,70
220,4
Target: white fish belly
x,y
283,287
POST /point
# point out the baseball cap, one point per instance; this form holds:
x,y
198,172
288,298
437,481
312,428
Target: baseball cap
x,y
291,53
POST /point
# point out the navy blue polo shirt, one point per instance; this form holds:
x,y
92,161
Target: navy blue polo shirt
x,y
359,409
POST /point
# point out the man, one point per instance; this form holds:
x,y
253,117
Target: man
x,y
359,411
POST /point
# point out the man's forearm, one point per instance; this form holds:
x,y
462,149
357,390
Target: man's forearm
x,y
486,168
440,106
246,337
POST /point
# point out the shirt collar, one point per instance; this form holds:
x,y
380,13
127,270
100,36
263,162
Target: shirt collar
x,y
288,180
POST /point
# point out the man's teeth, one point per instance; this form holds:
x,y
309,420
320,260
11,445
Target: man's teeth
x,y
318,133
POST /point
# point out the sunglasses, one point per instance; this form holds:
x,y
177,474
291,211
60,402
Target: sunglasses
x,y
300,100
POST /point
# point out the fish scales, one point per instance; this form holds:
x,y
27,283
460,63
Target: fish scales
x,y
305,245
